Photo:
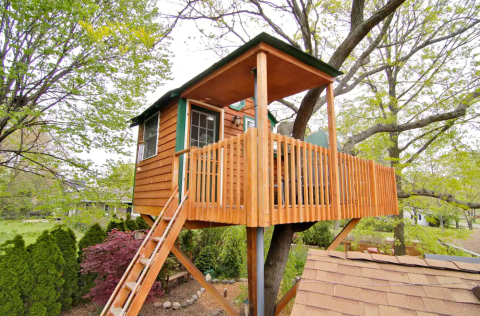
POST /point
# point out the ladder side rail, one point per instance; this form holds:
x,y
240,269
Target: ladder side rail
x,y
135,258
154,253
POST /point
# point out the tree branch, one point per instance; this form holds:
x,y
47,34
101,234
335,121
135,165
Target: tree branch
x,y
449,198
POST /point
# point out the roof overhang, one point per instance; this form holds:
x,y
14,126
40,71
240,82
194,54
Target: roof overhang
x,y
289,71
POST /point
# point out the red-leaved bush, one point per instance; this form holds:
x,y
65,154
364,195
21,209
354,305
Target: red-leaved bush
x,y
109,260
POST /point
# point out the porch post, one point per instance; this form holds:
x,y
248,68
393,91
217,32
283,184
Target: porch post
x,y
261,111
332,146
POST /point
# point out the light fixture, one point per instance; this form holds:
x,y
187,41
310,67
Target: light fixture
x,y
210,118
236,120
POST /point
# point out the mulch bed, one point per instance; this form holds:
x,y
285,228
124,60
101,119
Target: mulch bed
x,y
179,291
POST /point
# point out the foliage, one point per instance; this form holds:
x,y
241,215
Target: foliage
x,y
95,235
66,242
232,253
109,260
207,259
187,242
141,223
16,279
117,224
432,240
46,266
73,73
319,234
294,267
130,224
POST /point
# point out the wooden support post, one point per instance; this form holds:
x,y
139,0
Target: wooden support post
x,y
332,145
198,275
345,231
252,267
373,188
147,219
286,298
262,120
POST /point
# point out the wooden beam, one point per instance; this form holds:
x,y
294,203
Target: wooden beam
x,y
202,224
148,219
286,298
345,231
198,275
332,146
252,267
278,53
262,120
148,210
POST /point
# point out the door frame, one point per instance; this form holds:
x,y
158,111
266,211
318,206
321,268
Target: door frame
x,y
221,136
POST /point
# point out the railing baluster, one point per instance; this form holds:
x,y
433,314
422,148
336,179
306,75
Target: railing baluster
x,y
293,181
285,215
317,188
299,214
310,183
280,189
306,209
237,211
271,217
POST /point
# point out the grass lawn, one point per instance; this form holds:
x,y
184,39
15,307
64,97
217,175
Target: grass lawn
x,y
29,231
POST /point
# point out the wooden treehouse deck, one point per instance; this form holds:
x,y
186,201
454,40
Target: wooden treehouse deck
x,y
302,187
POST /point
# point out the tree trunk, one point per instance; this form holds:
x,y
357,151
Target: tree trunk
x,y
398,233
442,224
277,260
336,226
470,224
457,224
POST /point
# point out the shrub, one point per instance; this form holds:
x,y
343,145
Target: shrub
x,y
231,255
109,260
319,234
47,266
130,224
94,235
116,224
141,223
66,242
16,279
206,260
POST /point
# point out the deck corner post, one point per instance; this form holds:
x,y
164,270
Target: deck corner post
x,y
332,146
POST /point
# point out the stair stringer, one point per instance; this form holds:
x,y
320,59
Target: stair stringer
x,y
152,274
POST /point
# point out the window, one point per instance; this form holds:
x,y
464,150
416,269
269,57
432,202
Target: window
x,y
150,137
420,217
248,122
203,129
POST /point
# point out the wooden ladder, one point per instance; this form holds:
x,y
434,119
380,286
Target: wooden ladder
x,y
133,288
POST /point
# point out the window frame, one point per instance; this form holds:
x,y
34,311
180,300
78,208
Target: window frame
x,y
205,111
245,119
145,157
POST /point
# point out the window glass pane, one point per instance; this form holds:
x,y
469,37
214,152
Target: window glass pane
x,y
195,118
211,123
150,136
194,133
203,120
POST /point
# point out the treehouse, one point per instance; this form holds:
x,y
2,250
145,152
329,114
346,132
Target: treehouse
x,y
208,157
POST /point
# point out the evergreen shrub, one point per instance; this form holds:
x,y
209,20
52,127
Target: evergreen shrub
x,y
141,223
206,260
46,265
319,234
16,279
130,224
66,242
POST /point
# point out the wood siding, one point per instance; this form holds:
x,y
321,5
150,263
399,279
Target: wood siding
x,y
153,183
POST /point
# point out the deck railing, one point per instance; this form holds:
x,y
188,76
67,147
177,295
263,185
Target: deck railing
x,y
222,180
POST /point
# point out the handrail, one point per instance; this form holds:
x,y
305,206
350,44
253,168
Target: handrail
x,y
183,151
135,258
154,253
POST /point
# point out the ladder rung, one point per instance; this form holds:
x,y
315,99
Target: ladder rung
x,y
144,261
157,239
116,311
131,285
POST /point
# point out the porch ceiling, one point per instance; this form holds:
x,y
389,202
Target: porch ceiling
x,y
233,82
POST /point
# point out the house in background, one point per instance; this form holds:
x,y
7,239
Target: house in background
x,y
421,217
112,202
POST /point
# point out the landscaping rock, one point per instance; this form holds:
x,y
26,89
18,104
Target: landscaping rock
x,y
232,281
157,304
195,297
225,281
167,305
176,306
242,280
216,312
189,302
202,289
297,278
199,293
184,304
208,277
215,281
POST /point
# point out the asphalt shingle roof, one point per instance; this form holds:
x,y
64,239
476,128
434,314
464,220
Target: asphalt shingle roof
x,y
354,283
